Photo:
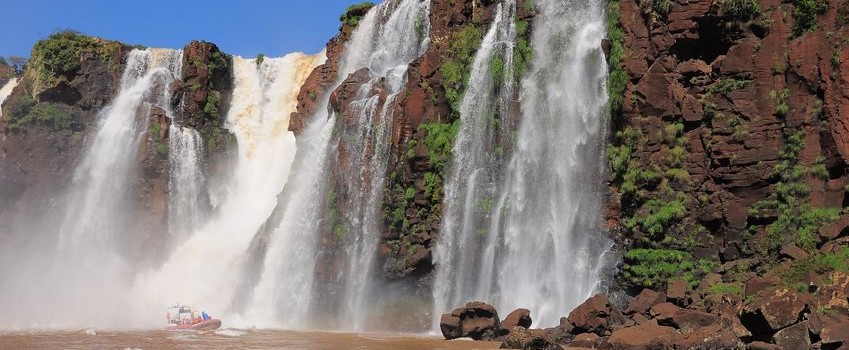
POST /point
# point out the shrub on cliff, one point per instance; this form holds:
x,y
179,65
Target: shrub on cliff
x,y
354,13
62,52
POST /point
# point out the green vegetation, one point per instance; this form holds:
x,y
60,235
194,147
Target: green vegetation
x,y
259,59
659,214
162,149
652,268
618,78
742,9
216,138
805,15
354,13
797,221
18,112
719,288
61,54
439,140
456,69
211,107
338,223
522,53
820,263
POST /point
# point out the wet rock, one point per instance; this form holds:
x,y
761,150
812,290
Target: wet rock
x,y
476,320
519,317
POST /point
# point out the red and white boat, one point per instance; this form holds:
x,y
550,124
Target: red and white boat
x,y
181,317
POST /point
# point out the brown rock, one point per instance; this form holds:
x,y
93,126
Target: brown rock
x,y
592,315
519,317
449,324
690,320
793,337
664,310
476,320
756,284
793,252
676,292
644,301
711,337
835,334
585,340
773,311
643,337
759,345
522,338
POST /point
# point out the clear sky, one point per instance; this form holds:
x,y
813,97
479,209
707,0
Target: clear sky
x,y
244,28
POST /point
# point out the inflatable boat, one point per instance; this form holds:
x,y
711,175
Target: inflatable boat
x,y
181,317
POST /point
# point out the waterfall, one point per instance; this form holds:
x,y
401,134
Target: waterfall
x,y
465,257
96,232
6,90
542,240
202,269
186,182
100,203
387,39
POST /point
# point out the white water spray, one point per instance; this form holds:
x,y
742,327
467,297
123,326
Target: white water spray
x,y
465,254
202,270
543,243
388,38
6,90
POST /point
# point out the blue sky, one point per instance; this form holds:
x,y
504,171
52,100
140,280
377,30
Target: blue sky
x,y
243,28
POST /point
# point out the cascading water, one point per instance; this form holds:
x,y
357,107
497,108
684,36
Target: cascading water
x,y
96,229
202,269
385,41
543,243
465,257
100,200
6,90
186,184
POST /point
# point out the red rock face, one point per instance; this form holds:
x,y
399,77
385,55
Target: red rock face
x,y
740,88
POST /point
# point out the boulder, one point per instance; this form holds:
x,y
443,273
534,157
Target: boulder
x,y
519,317
835,334
585,340
690,320
644,301
793,252
773,311
711,337
592,316
676,292
476,320
523,338
643,337
759,345
793,337
756,284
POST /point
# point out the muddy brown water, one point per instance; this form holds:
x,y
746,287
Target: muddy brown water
x,y
228,339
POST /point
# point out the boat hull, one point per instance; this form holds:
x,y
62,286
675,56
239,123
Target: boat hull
x,y
208,325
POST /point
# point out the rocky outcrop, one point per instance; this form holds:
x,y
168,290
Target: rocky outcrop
x,y
202,98
476,320
47,119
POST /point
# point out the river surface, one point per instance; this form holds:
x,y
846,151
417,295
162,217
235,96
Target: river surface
x,y
227,339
